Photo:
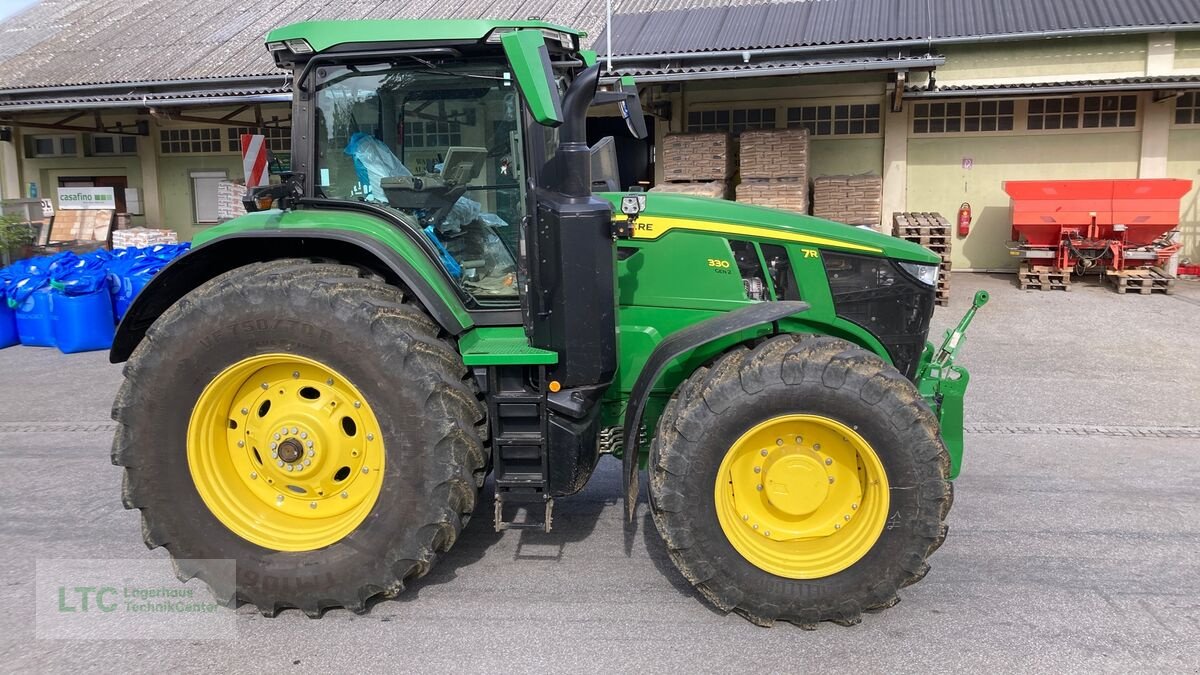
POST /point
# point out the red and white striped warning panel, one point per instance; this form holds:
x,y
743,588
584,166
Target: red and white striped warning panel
x,y
254,159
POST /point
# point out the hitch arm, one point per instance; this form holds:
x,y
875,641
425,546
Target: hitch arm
x,y
949,350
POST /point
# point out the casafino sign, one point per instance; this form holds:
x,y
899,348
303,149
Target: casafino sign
x,y
86,198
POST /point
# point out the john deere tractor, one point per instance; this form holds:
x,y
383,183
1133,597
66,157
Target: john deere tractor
x,y
434,293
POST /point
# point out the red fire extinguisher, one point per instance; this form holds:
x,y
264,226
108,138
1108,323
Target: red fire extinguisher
x,y
964,219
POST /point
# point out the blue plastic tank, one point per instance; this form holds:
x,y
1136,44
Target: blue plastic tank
x,y
8,325
83,323
35,319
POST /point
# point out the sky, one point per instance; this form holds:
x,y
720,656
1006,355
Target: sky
x,y
10,7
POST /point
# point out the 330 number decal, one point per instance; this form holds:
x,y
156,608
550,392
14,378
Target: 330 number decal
x,y
719,264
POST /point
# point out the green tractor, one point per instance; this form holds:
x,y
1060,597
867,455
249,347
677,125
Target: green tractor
x,y
433,292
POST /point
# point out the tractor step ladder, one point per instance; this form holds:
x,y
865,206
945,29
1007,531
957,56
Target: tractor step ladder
x,y
517,417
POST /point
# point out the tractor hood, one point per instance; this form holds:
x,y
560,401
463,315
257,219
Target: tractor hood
x,y
666,211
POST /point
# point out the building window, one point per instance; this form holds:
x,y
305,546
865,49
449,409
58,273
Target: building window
x,y
431,134
50,146
204,195
190,141
1088,112
735,121
962,117
836,120
1187,108
112,144
279,139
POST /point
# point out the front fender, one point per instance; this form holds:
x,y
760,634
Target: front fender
x,y
351,238
689,338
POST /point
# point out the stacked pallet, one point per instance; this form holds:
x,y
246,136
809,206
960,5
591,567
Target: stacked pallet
x,y
773,164
854,200
1043,278
1143,281
932,231
697,164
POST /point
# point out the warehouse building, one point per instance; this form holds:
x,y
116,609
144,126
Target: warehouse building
x,y
944,100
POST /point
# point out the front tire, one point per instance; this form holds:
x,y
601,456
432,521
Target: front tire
x,y
803,480
306,422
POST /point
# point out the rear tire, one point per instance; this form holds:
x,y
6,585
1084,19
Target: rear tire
x,y
414,387
710,520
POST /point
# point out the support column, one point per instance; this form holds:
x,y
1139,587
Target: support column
x,y
895,164
148,156
10,170
1156,133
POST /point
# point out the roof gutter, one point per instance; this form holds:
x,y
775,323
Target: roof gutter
x,y
1053,89
145,102
808,69
906,43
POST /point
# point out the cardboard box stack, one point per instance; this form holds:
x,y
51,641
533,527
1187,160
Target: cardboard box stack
x,y
142,237
932,231
697,164
773,164
854,200
229,200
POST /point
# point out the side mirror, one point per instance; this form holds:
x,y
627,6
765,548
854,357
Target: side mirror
x,y
530,62
625,94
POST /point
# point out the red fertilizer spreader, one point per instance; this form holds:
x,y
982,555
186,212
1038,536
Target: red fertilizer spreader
x,y
1077,225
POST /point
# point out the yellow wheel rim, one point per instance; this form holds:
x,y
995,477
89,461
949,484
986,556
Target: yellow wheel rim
x,y
802,496
285,452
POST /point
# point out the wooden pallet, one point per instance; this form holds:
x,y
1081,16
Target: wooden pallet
x,y
1141,281
919,223
1043,279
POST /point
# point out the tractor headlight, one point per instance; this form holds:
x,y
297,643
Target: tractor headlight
x,y
926,274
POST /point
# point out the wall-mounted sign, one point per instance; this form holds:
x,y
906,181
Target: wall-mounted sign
x,y
86,198
968,162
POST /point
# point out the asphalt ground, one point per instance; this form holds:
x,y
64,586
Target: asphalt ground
x,y
1074,539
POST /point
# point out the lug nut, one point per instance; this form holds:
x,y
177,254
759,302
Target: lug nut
x,y
310,444
831,479
265,385
828,461
312,505
279,499
276,436
279,462
253,475
274,445
764,452
837,526
295,431
799,439
745,517
778,441
366,470
358,404
766,533
283,430
758,469
245,411
854,506
289,467
759,487
303,435
816,446
756,526
241,444
329,382
370,437
311,453
307,462
295,374
344,495
847,516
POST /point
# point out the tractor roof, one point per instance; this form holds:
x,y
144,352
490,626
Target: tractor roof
x,y
323,35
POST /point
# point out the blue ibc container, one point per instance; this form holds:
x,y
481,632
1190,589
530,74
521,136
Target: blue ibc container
x,y
8,325
35,319
129,287
83,323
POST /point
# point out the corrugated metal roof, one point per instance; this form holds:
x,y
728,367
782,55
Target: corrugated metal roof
x,y
683,70
646,27
1097,85
77,42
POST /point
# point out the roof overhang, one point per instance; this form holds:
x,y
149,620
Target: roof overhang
x,y
1184,82
765,63
162,93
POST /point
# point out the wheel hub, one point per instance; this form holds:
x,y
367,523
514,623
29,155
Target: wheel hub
x,y
801,496
285,452
290,450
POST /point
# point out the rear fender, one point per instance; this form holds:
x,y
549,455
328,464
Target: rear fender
x,y
239,248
